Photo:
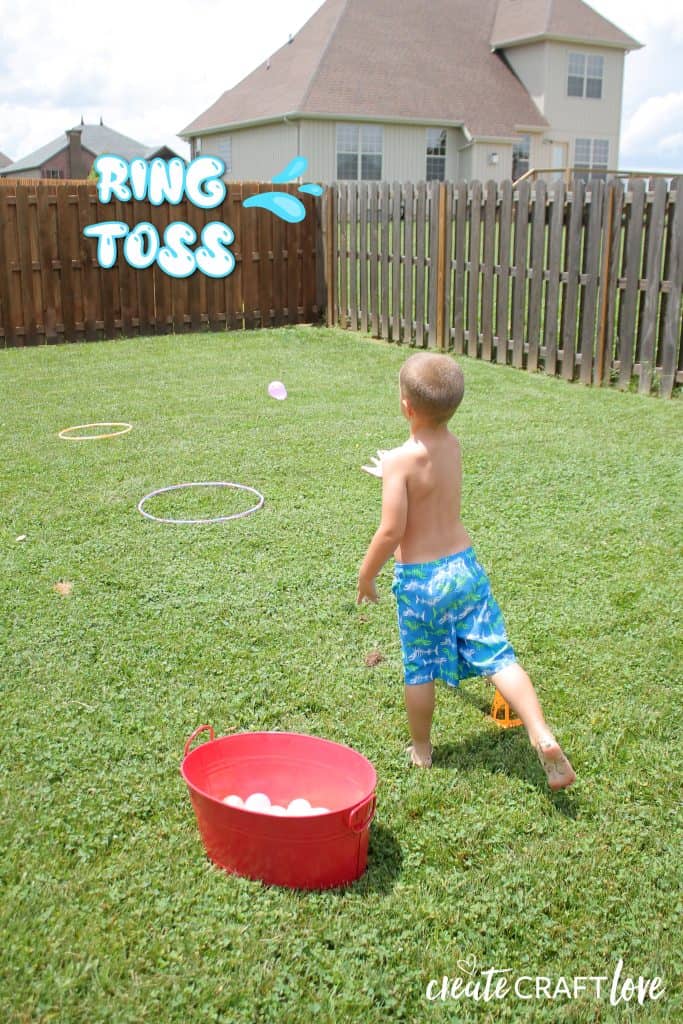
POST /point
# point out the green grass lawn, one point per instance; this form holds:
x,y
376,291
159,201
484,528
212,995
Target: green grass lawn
x,y
110,911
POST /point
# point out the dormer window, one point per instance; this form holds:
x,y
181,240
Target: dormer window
x,y
585,75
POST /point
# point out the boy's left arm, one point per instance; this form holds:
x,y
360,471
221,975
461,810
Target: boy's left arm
x,y
392,525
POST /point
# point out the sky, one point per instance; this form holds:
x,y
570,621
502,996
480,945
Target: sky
x,y
148,68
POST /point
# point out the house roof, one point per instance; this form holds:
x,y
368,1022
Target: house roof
x,y
416,60
519,21
96,138
4,160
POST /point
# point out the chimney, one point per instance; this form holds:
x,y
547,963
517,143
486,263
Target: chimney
x,y
77,162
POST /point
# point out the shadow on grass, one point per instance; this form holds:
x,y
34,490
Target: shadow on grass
x,y
507,751
384,866
384,861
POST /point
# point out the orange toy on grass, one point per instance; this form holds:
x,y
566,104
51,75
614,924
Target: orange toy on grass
x,y
502,714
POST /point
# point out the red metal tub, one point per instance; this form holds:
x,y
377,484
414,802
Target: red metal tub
x,y
302,852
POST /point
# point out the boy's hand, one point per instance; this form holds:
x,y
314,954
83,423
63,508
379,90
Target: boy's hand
x,y
376,468
367,591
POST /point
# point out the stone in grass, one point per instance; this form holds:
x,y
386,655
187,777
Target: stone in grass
x,y
373,658
63,587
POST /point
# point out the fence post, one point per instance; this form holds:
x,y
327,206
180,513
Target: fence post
x,y
672,316
654,269
441,258
607,261
6,251
330,261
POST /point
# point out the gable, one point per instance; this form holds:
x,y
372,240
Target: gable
x,y
518,21
95,138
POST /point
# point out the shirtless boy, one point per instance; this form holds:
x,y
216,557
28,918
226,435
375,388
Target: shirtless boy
x,y
450,625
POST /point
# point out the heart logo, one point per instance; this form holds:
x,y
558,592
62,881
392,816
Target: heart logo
x,y
468,966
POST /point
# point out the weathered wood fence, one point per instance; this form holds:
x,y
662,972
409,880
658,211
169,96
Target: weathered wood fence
x,y
52,289
581,284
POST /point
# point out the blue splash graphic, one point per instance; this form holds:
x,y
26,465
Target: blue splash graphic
x,y
294,169
285,206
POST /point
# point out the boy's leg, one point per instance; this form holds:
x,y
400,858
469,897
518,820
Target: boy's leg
x,y
517,689
419,700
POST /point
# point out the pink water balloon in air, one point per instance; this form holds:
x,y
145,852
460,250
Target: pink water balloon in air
x,y
276,389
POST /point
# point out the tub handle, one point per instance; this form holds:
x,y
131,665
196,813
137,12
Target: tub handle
x,y
365,810
202,728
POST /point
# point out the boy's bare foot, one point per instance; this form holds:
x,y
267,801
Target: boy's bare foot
x,y
557,768
420,754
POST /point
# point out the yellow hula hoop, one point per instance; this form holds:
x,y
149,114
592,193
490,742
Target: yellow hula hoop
x,y
64,434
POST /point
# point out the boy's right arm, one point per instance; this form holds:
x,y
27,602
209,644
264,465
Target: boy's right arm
x,y
376,468
391,528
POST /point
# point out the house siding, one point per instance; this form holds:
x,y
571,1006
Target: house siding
x,y
405,152
260,152
481,167
465,162
530,64
573,114
318,144
542,68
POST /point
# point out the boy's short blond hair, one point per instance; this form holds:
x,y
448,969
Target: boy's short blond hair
x,y
433,384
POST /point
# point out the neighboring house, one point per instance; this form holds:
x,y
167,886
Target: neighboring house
x,y
72,154
410,90
4,160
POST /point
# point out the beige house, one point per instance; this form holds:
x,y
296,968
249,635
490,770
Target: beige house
x,y
414,90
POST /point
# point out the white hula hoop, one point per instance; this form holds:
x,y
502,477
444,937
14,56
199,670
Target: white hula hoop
x,y
66,433
207,483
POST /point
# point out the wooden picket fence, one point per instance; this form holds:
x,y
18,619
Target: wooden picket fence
x,y
52,288
581,284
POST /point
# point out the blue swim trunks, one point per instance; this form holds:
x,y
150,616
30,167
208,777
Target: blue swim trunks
x,y
450,624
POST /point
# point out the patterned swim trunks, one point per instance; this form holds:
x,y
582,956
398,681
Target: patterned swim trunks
x,y
449,621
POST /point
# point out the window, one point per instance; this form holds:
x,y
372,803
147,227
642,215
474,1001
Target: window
x,y
521,148
50,172
594,69
591,155
585,75
221,146
359,152
436,154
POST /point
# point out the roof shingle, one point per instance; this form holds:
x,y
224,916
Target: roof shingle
x,y
96,138
419,60
517,21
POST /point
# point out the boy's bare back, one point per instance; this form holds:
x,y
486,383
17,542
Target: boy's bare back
x,y
421,490
430,470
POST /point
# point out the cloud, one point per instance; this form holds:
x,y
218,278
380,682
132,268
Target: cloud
x,y
672,142
652,135
642,20
652,81
150,68
147,68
